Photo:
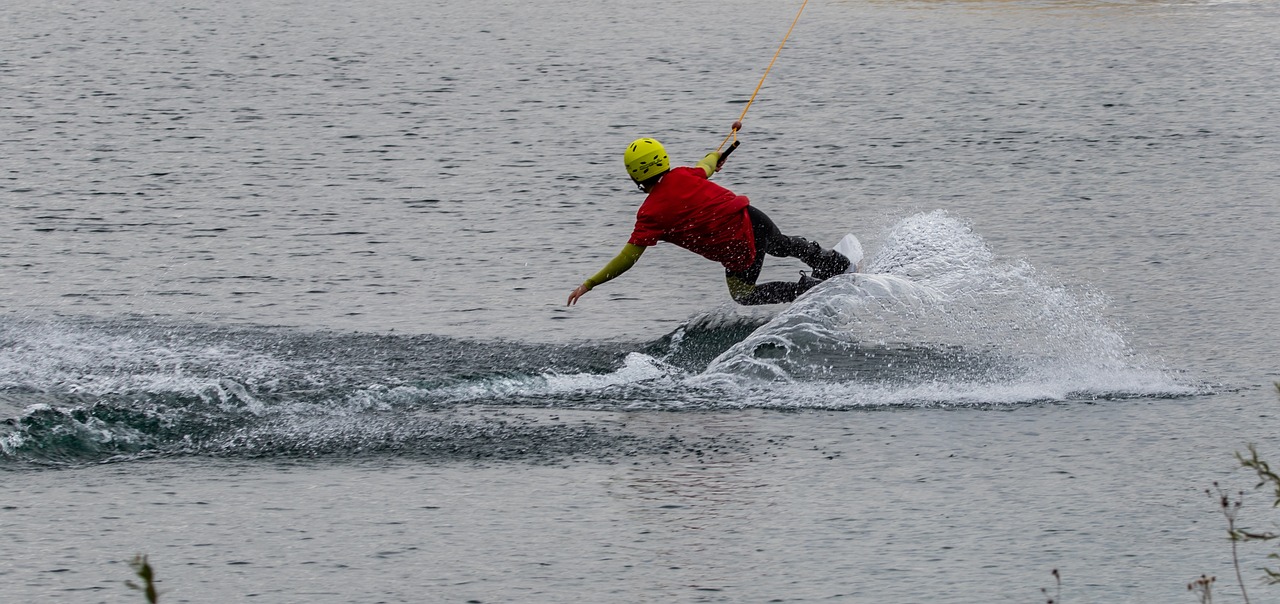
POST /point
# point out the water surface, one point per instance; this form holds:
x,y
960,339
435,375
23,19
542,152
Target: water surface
x,y
283,301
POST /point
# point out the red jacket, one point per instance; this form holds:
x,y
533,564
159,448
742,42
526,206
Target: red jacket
x,y
687,209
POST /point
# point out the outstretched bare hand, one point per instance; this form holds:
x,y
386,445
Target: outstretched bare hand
x,y
577,293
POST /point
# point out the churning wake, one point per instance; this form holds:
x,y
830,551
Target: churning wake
x,y
935,319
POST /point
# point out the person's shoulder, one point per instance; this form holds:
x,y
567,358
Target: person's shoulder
x,y
690,172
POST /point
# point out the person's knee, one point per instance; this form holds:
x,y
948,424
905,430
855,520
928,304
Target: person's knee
x,y
740,290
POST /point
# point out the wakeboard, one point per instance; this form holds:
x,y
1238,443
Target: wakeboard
x,y
851,248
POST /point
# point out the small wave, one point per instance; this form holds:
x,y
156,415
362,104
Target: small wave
x,y
702,338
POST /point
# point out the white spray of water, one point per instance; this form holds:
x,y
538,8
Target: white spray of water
x,y
935,286
49,357
637,368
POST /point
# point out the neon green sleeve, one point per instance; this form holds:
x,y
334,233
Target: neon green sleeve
x,y
624,260
709,163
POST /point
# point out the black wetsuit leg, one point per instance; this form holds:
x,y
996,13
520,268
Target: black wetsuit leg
x,y
771,241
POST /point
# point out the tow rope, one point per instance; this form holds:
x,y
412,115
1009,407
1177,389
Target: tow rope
x,y
733,132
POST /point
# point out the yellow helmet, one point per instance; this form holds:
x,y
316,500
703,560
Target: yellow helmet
x,y
645,158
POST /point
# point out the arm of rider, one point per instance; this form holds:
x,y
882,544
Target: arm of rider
x,y
624,260
710,163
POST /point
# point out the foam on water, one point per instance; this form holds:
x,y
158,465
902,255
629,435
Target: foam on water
x,y
85,391
46,357
637,368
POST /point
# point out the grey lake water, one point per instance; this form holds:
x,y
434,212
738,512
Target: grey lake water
x,y
282,301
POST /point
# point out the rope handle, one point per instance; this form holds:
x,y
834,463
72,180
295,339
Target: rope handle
x,y
725,155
